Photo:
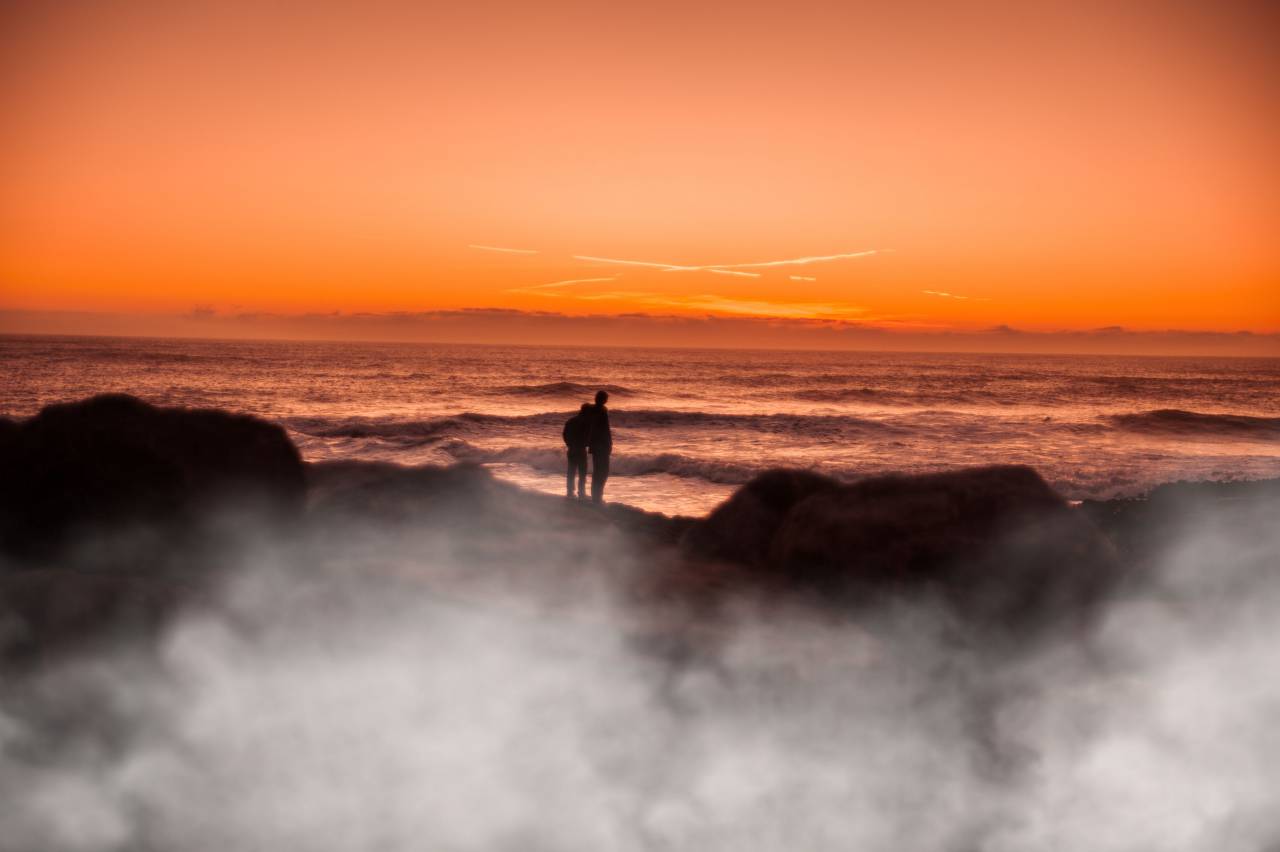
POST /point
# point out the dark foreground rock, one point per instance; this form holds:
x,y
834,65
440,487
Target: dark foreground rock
x,y
76,469
1143,528
742,528
995,545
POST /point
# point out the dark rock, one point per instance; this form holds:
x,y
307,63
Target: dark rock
x,y
113,460
996,545
1143,528
45,614
742,528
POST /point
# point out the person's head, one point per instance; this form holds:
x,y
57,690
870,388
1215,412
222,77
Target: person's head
x,y
602,397
586,406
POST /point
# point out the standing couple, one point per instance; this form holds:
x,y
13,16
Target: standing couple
x,y
589,430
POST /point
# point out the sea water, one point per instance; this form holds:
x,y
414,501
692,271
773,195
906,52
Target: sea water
x,y
691,425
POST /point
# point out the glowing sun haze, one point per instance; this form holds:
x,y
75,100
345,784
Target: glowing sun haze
x,y
909,166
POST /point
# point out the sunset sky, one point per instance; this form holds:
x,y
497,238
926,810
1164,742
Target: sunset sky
x,y
915,168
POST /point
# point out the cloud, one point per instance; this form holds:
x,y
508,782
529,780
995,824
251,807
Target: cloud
x,y
502,249
757,307
372,679
699,302
802,278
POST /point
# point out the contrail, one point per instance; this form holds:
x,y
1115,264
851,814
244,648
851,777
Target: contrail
x,y
667,267
501,249
731,268
794,261
539,289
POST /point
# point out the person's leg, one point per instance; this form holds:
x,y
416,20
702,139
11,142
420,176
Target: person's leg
x,y
582,474
599,473
573,468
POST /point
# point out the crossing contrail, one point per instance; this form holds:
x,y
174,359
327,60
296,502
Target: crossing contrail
x,y
730,268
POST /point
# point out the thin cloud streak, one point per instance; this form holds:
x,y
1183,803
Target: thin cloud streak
x,y
759,308
555,284
713,304
719,271
731,268
665,267
502,249
795,261
942,294
802,278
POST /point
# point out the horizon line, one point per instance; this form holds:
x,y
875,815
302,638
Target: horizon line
x,y
405,341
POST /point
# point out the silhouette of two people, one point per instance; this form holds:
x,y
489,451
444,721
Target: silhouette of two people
x,y
588,432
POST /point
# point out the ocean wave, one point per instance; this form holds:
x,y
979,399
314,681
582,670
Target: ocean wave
x,y
406,430
550,460
559,389
1191,424
823,425
843,395
810,424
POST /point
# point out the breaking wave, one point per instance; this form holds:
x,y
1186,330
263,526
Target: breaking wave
x,y
561,389
1175,421
469,422
408,430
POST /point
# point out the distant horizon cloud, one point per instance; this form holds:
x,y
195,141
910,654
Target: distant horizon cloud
x,y
746,330
700,301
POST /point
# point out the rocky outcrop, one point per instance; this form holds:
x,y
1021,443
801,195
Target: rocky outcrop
x,y
115,461
995,545
742,529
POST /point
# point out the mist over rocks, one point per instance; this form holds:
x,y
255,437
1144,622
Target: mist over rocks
x,y
50,615
112,460
432,656
1143,528
115,485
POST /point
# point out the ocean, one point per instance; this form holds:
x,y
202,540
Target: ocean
x,y
691,425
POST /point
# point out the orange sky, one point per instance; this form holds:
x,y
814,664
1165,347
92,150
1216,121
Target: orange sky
x,y
1044,166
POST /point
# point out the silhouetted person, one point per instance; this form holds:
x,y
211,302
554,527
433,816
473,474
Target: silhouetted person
x,y
576,431
600,443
